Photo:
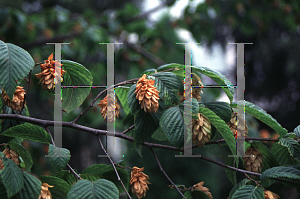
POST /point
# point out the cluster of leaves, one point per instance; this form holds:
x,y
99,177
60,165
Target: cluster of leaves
x,y
166,124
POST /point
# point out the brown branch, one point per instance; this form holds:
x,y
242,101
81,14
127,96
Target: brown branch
x,y
256,182
102,92
68,165
112,163
163,171
126,131
123,136
27,89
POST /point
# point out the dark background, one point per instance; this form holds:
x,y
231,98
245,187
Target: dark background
x,y
271,68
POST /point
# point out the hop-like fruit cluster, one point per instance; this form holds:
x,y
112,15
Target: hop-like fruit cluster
x,y
196,81
45,193
201,130
147,94
139,182
253,160
107,112
236,125
48,73
271,195
11,154
18,99
200,187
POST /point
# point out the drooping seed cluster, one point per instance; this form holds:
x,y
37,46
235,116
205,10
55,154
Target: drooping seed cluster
x,y
201,130
18,99
107,112
138,182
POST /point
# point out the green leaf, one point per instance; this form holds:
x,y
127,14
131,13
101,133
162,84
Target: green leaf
x,y
282,155
171,123
122,92
138,148
281,171
159,135
60,189
222,127
23,153
107,172
132,102
149,71
168,86
3,193
179,69
221,109
292,146
15,64
62,159
230,173
30,132
12,177
195,195
100,189
249,192
146,123
239,185
66,176
195,108
76,75
297,131
31,188
263,116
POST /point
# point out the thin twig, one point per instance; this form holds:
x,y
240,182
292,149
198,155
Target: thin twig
x,y
254,181
163,171
101,93
126,131
112,163
123,167
27,89
68,165
38,63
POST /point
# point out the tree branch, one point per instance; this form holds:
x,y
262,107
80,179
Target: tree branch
x,y
163,171
112,163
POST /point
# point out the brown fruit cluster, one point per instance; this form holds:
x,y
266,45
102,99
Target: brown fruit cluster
x,y
201,130
48,73
236,125
11,154
18,99
271,195
109,111
254,163
147,94
200,187
45,193
196,81
139,182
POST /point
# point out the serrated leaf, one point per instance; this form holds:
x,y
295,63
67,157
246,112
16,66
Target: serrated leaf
x,y
222,128
30,132
178,69
12,177
168,86
195,195
292,146
132,102
60,158
239,185
149,71
31,188
23,153
263,116
15,64
281,171
231,174
159,135
100,189
249,192
221,109
60,189
122,92
98,171
146,123
297,131
76,75
195,108
66,176
171,123
282,155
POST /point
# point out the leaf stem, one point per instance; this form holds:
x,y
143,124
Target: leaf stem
x,y
27,89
